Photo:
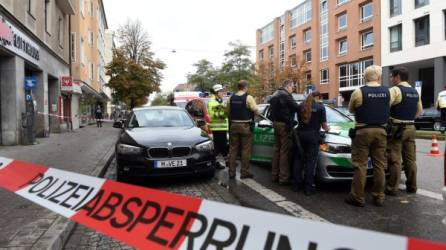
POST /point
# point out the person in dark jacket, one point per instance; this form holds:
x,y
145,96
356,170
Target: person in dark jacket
x,y
312,117
99,117
283,110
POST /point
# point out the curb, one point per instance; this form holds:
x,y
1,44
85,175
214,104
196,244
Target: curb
x,y
57,235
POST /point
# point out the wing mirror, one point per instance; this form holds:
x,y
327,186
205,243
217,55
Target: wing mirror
x,y
265,124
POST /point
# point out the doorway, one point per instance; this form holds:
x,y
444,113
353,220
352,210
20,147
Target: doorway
x,y
427,76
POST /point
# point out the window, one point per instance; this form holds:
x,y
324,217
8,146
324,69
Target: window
x,y
395,7
342,21
324,76
366,12
82,51
341,2
91,38
267,33
293,61
421,3
91,71
47,16
307,56
308,76
73,47
343,47
444,16
61,32
261,55
352,75
91,8
307,35
301,14
32,8
323,38
293,42
367,40
396,38
422,33
271,52
81,7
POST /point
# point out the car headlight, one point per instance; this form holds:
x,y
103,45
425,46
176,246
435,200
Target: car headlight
x,y
334,148
205,146
128,149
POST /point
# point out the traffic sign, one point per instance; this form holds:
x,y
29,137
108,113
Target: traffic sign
x,y
30,82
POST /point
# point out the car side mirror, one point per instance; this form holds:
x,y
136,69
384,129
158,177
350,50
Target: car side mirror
x,y
265,124
201,123
118,125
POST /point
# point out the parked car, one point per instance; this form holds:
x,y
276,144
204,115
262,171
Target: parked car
x,y
334,162
345,111
429,119
163,141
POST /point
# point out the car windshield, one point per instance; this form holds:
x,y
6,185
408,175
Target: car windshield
x,y
334,116
151,118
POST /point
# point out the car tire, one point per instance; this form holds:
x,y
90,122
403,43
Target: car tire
x,y
209,175
436,126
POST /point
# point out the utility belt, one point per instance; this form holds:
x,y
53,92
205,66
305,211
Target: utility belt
x,y
395,130
352,131
249,122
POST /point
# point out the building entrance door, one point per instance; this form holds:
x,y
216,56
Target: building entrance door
x,y
427,76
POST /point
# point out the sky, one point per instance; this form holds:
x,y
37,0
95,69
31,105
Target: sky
x,y
195,29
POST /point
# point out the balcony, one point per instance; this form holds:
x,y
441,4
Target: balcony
x,y
66,6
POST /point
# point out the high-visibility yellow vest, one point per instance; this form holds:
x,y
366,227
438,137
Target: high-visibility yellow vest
x,y
217,114
441,102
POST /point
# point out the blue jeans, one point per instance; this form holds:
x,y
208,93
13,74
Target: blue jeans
x,y
309,140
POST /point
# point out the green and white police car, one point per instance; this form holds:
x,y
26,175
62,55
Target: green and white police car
x,y
334,162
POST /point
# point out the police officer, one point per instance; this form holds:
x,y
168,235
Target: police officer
x,y
441,106
312,117
371,106
283,109
406,106
241,109
218,122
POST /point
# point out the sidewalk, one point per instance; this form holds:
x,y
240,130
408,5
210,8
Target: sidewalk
x,y
26,225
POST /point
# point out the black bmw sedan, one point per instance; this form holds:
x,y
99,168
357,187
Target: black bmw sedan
x,y
163,141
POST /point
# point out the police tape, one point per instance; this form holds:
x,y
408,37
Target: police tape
x,y
68,117
152,219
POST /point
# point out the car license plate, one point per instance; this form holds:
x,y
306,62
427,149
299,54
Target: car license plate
x,y
171,164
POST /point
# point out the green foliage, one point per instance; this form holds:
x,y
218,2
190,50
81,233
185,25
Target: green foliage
x,y
160,100
236,66
134,73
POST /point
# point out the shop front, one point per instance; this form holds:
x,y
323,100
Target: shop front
x,y
71,92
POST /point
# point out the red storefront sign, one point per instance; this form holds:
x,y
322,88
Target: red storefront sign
x,y
66,84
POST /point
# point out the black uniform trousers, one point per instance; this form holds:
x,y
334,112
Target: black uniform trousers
x,y
309,140
221,143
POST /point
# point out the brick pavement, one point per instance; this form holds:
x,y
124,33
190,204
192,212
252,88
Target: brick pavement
x,y
84,238
24,224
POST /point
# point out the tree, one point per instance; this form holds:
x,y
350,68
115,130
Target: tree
x,y
159,100
270,77
134,73
237,65
204,76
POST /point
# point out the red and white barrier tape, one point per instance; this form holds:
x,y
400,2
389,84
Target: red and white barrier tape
x,y
152,219
68,117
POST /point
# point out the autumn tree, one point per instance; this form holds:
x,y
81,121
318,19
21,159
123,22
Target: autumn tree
x,y
237,65
204,76
134,72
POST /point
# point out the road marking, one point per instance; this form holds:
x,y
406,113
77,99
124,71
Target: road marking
x,y
281,201
425,193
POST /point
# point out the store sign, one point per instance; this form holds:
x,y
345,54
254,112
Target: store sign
x,y
17,42
68,85
30,83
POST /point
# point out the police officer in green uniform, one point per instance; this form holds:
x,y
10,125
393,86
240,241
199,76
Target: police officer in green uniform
x,y
371,106
406,106
218,122
242,108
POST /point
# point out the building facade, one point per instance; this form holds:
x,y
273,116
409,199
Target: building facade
x,y
414,36
87,56
34,46
334,39
109,47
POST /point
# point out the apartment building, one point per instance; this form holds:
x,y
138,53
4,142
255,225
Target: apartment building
x,y
109,47
87,56
34,51
335,39
414,36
